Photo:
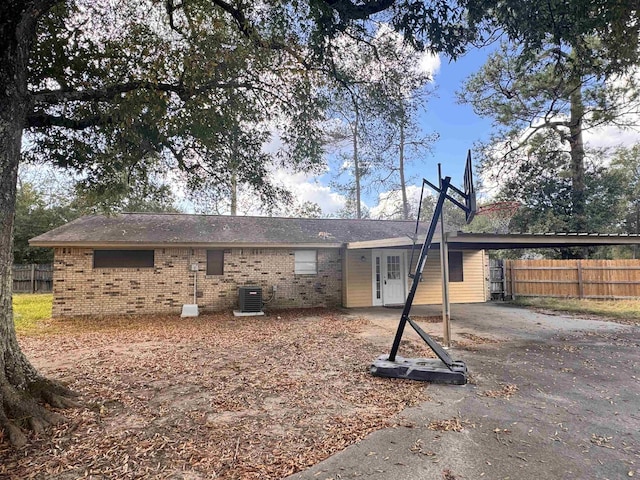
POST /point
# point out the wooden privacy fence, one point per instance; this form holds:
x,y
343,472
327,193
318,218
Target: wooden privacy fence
x,y
572,278
33,278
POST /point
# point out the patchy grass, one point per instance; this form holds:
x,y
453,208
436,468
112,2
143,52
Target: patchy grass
x,y
207,397
625,311
30,309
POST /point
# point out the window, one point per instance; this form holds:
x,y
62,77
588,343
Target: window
x,y
123,258
393,267
215,262
455,267
306,262
378,279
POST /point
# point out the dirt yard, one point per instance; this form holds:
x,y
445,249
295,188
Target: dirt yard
x,y
212,397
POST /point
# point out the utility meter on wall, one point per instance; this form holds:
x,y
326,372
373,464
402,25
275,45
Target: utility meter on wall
x,y
194,267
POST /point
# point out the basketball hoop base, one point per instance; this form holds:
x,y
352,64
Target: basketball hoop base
x,y
422,369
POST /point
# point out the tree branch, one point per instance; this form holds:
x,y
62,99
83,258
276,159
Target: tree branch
x,y
33,11
250,32
109,92
41,120
171,8
350,11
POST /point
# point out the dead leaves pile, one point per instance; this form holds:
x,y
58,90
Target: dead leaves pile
x,y
449,425
427,318
507,390
472,339
601,440
215,396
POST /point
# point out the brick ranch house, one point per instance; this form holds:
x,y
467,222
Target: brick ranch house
x,y
142,263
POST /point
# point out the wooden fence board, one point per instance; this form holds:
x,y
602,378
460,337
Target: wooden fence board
x,y
32,278
573,278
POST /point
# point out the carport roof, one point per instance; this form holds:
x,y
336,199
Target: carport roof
x,y
496,241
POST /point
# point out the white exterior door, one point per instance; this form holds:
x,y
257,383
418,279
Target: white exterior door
x,y
389,277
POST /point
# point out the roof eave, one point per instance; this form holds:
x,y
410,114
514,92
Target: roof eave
x,y
143,245
546,240
388,242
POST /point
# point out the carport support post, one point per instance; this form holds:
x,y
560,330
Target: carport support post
x,y
446,305
444,268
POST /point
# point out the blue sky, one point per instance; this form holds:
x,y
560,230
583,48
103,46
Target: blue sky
x,y
459,127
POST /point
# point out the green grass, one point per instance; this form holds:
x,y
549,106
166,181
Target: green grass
x,y
29,309
621,309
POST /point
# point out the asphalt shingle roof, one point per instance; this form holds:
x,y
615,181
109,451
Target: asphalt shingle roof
x,y
152,228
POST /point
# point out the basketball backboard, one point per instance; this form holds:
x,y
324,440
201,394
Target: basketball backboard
x,y
469,190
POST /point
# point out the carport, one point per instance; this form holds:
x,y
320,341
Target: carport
x,y
496,241
489,241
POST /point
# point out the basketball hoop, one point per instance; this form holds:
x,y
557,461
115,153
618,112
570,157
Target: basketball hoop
x,y
499,215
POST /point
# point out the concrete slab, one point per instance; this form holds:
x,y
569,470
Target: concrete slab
x,y
189,310
238,313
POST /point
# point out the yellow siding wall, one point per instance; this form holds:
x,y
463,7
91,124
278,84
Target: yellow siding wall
x,y
358,280
470,290
430,289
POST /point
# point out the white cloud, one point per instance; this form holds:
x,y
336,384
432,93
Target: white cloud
x,y
426,62
305,188
430,63
390,203
611,137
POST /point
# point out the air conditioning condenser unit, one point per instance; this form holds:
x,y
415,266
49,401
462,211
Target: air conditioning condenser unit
x,y
250,300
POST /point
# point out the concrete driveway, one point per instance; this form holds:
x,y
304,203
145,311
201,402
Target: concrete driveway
x,y
556,397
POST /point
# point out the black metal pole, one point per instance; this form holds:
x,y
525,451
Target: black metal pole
x,y
415,234
444,187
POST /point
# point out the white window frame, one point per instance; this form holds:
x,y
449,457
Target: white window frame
x,y
376,255
306,262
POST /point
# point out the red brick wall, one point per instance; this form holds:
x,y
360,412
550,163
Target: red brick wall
x,y
79,289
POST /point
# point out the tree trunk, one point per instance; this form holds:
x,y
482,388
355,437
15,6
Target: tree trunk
x,y
233,165
234,193
578,198
22,389
403,185
356,166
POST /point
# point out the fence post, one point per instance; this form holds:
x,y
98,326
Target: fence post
x,y
580,283
503,267
33,278
513,280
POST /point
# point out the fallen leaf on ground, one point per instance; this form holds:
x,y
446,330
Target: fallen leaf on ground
x,y
212,396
